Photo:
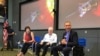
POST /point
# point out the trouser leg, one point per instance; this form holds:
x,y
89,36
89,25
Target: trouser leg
x,y
45,49
25,48
66,51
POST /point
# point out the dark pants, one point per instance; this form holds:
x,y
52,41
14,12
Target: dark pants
x,y
10,44
25,47
34,47
45,48
65,50
78,51
54,44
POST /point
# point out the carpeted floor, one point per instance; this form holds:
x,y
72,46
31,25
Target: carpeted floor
x,y
15,51
11,53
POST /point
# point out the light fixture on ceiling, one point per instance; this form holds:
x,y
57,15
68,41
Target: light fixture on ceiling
x,y
2,2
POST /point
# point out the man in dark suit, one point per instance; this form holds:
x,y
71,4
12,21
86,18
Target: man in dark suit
x,y
70,39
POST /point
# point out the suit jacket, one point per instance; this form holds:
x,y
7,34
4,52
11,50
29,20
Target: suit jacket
x,y
73,38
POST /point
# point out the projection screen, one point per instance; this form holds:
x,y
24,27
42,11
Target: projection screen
x,y
38,14
82,13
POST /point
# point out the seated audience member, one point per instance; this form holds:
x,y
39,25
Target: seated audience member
x,y
69,39
49,39
28,39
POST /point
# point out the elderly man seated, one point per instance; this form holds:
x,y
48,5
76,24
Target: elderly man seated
x,y
49,39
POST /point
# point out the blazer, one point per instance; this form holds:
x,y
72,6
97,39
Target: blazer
x,y
73,38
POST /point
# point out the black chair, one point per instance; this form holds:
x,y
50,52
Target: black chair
x,y
79,50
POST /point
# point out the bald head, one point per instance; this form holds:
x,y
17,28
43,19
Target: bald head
x,y
50,30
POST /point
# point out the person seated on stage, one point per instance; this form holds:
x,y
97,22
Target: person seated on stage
x,y
70,39
49,39
28,39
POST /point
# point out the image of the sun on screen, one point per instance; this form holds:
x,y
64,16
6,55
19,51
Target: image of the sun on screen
x,y
37,14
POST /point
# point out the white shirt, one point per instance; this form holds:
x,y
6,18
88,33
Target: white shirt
x,y
50,38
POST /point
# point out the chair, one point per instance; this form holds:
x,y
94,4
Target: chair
x,y
19,45
79,50
82,42
71,53
37,40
